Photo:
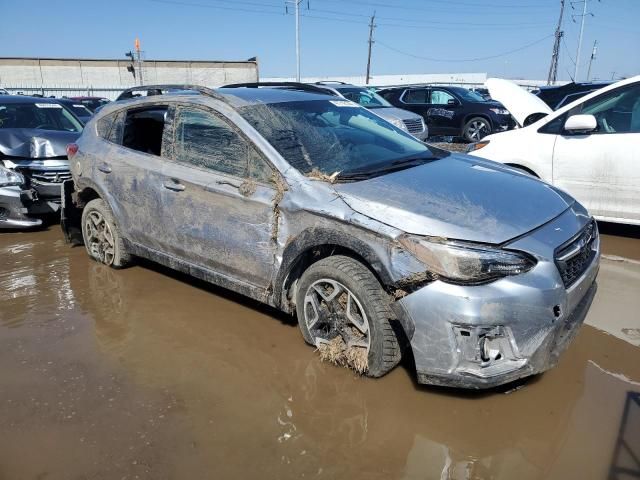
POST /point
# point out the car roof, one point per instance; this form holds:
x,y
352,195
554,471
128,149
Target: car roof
x,y
26,99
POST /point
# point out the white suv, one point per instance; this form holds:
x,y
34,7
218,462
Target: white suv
x,y
591,147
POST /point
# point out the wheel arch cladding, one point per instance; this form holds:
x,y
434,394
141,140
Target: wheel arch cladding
x,y
315,244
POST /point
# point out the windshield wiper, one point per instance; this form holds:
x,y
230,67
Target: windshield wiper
x,y
376,171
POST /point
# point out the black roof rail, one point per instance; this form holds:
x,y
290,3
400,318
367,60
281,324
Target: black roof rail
x,y
161,89
291,85
329,82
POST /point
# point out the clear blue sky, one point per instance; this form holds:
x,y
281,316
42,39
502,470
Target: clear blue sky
x,y
333,34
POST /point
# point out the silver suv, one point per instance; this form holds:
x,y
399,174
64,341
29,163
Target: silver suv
x,y
318,207
401,118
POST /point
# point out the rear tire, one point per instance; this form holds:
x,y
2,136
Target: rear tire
x,y
101,235
359,305
476,129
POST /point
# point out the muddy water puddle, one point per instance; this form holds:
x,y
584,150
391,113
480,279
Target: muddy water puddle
x,y
142,373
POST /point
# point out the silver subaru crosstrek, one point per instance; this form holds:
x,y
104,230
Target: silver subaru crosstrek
x,y
318,207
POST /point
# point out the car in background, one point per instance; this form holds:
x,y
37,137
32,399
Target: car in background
x,y
92,103
557,96
369,99
320,208
34,133
4,92
451,111
78,109
590,148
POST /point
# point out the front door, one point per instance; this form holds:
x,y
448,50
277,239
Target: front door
x,y
444,111
602,169
218,202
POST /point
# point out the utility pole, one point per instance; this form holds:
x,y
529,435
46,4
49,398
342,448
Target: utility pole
x,y
592,58
296,4
583,16
372,26
553,69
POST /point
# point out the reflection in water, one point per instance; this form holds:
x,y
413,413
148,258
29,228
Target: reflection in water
x,y
204,384
626,455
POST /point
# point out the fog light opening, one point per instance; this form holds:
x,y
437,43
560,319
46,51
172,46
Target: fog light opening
x,y
488,354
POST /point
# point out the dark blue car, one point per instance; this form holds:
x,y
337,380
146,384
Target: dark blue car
x,y
451,111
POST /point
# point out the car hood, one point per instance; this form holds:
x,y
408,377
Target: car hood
x,y
517,100
458,197
393,112
35,143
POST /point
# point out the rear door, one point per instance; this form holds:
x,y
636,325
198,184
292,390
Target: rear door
x,y
218,198
131,172
602,169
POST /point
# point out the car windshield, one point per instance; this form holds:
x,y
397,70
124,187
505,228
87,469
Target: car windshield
x,y
468,95
331,137
44,116
364,97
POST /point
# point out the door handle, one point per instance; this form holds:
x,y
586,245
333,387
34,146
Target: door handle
x,y
173,185
227,182
104,168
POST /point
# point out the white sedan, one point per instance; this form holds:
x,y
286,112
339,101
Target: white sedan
x,y
590,147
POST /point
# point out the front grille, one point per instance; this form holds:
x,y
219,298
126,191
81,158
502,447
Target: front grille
x,y
573,258
414,125
48,176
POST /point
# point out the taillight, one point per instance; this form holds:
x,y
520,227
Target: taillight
x,y
72,149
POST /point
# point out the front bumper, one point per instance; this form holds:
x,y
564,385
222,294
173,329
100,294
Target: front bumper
x,y
487,335
13,209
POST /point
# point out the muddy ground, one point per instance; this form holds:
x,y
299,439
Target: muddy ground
x,y
145,373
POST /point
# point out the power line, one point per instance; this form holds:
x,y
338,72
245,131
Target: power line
x,y
220,7
449,3
465,59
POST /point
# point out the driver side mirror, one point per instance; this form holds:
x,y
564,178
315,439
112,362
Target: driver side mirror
x,y
581,124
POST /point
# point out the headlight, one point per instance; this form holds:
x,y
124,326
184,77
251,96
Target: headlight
x,y
500,111
472,147
462,262
398,123
9,177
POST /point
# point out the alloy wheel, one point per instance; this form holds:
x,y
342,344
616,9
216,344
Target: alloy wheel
x,y
332,310
99,238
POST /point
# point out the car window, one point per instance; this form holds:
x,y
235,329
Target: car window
x,y
617,111
416,96
364,97
143,128
440,97
204,139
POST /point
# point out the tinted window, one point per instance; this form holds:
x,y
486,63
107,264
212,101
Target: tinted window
x,y
330,135
44,116
420,96
206,140
143,129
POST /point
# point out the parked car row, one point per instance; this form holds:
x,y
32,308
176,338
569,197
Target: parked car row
x,y
312,204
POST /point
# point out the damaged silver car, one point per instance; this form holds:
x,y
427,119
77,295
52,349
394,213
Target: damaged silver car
x,y
34,134
322,209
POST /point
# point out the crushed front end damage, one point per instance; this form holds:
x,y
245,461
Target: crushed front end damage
x,y
41,158
479,336
14,207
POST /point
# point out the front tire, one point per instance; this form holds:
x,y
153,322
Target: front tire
x,y
101,235
476,129
339,299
